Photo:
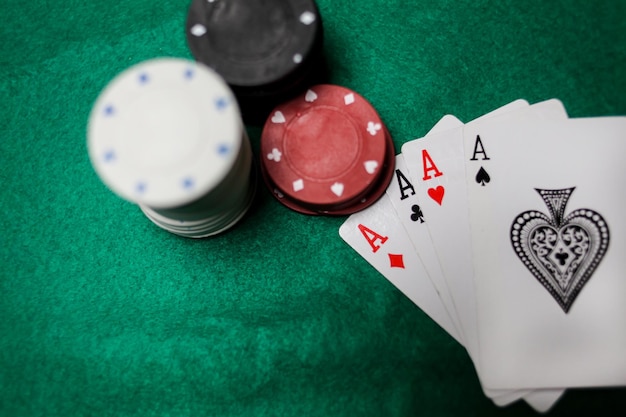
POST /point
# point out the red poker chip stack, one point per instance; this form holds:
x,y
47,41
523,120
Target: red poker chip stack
x,y
326,152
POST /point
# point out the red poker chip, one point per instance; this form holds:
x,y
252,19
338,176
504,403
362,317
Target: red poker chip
x,y
324,149
375,192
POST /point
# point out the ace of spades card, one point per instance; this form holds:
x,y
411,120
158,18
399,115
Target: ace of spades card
x,y
548,246
436,166
408,206
409,279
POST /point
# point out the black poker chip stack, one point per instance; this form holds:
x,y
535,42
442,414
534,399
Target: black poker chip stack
x,y
268,51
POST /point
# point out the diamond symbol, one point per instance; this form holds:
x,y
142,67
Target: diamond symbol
x,y
307,18
348,99
396,261
298,185
198,30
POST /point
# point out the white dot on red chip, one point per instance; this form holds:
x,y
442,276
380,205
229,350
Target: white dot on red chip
x,y
370,166
373,128
298,185
198,30
348,99
274,155
278,117
310,96
337,189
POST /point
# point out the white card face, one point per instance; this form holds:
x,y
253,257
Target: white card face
x,y
403,197
409,210
377,235
436,166
548,249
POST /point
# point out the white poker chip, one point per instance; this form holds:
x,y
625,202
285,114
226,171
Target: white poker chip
x,y
164,132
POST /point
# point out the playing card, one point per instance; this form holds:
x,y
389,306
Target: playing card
x,y
403,198
436,165
436,168
408,208
377,235
547,250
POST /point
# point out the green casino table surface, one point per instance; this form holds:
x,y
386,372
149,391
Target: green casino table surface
x,y
104,314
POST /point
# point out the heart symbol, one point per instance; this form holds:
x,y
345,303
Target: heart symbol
x,y
278,117
436,193
561,252
337,189
370,166
310,96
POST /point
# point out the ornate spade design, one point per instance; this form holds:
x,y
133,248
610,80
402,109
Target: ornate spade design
x,y
561,252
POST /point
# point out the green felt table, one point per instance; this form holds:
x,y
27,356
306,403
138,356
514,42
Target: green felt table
x,y
104,314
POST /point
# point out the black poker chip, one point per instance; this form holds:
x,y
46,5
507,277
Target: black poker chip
x,y
268,51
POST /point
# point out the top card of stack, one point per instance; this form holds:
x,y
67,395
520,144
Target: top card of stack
x,y
524,210
507,231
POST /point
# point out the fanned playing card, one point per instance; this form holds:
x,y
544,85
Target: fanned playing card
x,y
377,235
403,197
436,166
468,200
548,251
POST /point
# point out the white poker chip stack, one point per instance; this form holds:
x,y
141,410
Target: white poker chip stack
x,y
167,135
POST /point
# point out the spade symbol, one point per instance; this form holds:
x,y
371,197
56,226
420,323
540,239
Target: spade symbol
x,y
482,177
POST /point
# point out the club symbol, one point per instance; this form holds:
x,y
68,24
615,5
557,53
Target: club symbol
x,y
373,128
561,252
482,177
275,155
417,213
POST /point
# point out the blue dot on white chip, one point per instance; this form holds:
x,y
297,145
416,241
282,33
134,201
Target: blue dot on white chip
x,y
109,110
109,156
188,183
141,187
189,73
223,149
221,103
143,78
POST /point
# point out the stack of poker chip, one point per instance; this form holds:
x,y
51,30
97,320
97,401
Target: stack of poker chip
x,y
167,135
267,51
326,152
